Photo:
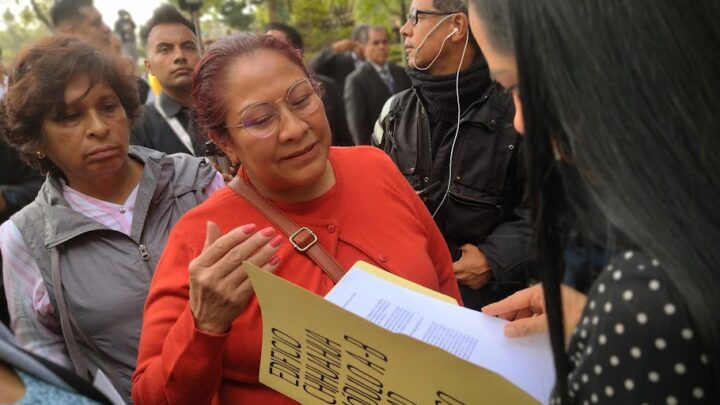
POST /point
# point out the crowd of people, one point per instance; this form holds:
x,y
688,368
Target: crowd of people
x,y
516,131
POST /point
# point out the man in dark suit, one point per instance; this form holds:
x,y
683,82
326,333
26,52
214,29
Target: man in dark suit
x,y
172,53
331,94
341,58
367,89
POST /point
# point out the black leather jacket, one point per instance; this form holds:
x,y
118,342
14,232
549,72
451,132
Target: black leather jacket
x,y
483,204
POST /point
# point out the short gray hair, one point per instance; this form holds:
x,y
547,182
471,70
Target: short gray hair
x,y
360,33
451,6
457,6
495,15
372,28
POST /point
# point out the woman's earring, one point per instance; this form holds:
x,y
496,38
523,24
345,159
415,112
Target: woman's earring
x,y
40,155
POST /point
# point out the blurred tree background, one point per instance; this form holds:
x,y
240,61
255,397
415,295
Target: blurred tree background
x,y
23,26
319,21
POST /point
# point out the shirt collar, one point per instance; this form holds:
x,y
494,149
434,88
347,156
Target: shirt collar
x,y
356,60
379,68
169,106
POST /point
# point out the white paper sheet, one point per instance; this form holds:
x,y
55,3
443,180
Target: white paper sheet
x,y
468,334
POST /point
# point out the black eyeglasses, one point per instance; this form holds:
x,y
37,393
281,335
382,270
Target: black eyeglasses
x,y
412,16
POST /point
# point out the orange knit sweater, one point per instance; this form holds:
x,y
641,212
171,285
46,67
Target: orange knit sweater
x,y
370,214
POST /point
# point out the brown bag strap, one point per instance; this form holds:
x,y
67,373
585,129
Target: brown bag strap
x,y
302,238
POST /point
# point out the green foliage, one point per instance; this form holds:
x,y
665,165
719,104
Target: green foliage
x,y
21,27
225,15
390,13
321,22
237,14
274,10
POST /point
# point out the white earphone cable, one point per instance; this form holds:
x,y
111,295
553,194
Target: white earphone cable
x,y
422,43
457,128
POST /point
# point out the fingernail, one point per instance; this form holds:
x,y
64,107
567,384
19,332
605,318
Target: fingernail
x,y
276,241
274,261
510,331
269,231
248,229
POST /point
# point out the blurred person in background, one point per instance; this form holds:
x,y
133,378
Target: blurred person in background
x,y
341,58
3,77
80,17
367,88
77,261
18,182
19,185
125,28
172,53
131,67
330,93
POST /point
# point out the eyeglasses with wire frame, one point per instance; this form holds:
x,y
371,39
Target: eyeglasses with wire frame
x,y
262,119
414,13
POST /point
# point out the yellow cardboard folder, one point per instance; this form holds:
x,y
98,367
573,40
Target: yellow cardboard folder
x,y
318,353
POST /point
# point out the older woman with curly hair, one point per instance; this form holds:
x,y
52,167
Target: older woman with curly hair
x,y
78,260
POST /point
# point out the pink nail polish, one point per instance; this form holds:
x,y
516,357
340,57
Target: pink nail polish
x,y
269,231
274,261
248,229
276,241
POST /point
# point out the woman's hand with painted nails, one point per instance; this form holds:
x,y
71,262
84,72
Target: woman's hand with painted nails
x,y
219,287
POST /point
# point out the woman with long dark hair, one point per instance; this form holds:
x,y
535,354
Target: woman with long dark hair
x,y
618,103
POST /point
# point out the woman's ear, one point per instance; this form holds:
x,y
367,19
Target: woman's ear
x,y
226,145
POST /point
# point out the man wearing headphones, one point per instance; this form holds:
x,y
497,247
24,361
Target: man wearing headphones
x,y
451,135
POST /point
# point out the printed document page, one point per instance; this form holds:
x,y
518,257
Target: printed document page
x,y
471,335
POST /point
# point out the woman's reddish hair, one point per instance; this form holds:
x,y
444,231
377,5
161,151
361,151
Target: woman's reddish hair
x,y
210,77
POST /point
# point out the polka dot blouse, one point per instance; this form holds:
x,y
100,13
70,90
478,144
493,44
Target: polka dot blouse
x,y
635,342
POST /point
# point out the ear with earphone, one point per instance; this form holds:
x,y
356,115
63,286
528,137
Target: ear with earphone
x,y
454,30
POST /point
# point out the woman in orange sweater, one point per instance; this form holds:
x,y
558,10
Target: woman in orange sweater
x,y
202,329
